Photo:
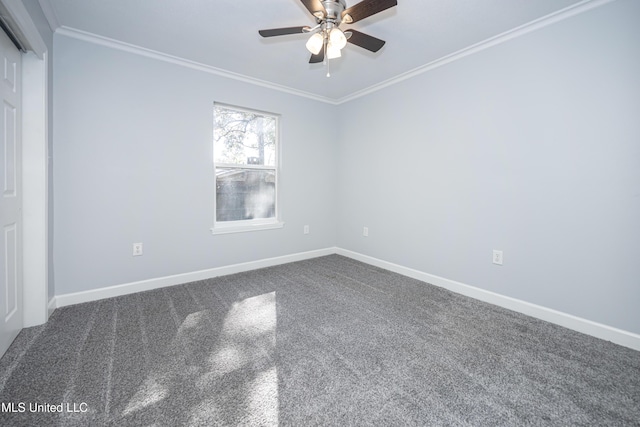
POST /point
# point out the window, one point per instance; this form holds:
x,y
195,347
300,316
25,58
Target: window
x,y
245,158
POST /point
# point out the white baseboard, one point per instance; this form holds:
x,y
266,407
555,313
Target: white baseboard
x,y
598,330
161,282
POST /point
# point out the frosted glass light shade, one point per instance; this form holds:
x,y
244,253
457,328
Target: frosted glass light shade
x,y
315,42
333,51
337,38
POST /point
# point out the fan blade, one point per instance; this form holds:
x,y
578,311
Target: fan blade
x,y
364,40
317,58
366,8
281,31
314,6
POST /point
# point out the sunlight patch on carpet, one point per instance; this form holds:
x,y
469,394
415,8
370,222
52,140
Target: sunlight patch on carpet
x,y
149,393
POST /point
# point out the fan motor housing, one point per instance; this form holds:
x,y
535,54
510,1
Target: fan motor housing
x,y
334,9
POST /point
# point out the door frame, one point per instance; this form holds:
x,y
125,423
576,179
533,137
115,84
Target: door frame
x,y
35,169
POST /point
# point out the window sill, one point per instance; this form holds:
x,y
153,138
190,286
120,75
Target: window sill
x,y
227,229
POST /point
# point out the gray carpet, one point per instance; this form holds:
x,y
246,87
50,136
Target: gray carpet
x,y
328,341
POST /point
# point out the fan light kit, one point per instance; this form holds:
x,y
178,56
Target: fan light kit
x,y
327,39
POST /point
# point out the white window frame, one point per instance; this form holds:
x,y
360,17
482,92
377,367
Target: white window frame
x,y
225,227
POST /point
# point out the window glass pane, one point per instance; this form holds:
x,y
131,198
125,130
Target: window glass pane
x,y
244,137
244,194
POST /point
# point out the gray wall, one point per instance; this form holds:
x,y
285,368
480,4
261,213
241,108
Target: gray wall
x,y
531,147
133,163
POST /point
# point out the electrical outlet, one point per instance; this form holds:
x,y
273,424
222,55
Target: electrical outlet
x,y
137,249
497,257
365,231
306,229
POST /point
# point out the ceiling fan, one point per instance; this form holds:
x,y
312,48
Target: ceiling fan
x,y
327,38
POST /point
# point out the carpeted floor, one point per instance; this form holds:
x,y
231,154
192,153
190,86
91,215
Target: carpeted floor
x,y
328,341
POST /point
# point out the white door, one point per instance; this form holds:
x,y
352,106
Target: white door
x,y
11,198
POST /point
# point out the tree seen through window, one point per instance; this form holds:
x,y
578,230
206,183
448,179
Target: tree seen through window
x,y
245,160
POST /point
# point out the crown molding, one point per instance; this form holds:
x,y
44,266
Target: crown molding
x,y
534,25
50,14
149,53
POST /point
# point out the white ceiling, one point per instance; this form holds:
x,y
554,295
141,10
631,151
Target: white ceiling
x,y
224,34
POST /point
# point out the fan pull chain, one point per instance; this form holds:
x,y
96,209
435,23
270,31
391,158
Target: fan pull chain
x,y
326,58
